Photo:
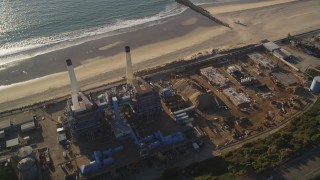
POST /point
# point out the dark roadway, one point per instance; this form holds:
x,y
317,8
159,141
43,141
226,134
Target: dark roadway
x,y
304,167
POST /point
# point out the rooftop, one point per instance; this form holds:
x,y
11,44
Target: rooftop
x,y
140,86
271,46
5,124
12,142
237,99
120,128
286,79
261,60
282,53
80,102
214,76
22,118
28,125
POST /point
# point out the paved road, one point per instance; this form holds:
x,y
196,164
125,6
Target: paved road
x,y
304,167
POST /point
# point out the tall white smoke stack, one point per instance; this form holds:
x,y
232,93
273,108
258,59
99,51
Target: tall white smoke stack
x,y
74,83
129,65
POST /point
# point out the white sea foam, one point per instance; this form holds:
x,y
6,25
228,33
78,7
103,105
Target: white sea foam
x,y
11,54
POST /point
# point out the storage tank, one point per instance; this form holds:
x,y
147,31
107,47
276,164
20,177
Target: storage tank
x,y
155,145
168,140
89,168
28,168
98,156
177,137
315,86
26,151
108,161
107,152
148,138
118,149
166,92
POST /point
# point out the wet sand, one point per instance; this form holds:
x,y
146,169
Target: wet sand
x,y
103,60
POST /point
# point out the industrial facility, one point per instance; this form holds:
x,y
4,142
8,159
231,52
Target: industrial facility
x,y
118,129
237,98
84,118
214,76
28,163
146,101
279,53
261,61
240,75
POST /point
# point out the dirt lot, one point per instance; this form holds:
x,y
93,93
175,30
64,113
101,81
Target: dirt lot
x,y
271,101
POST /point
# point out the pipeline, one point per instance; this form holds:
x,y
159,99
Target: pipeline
x,y
201,11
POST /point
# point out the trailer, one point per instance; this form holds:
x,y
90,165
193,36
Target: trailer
x,y
61,136
28,126
2,134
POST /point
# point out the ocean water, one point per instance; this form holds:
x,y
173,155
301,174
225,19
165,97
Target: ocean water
x,y
31,27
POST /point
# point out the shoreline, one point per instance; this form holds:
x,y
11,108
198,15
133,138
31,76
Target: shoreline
x,y
192,33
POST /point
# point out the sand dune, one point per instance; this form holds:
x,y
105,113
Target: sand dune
x,y
269,19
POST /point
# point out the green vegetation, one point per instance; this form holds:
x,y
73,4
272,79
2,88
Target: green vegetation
x,y
7,173
301,135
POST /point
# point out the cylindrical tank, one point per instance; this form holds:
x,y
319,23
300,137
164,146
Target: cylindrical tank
x,y
168,140
108,161
166,92
26,151
155,145
98,156
315,86
28,168
89,168
107,152
177,137
118,149
148,138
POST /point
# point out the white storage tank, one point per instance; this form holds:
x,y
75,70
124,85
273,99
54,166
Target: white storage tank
x,y
315,86
26,151
28,168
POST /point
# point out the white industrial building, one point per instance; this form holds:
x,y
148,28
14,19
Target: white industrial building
x,y
214,76
280,53
28,126
261,60
238,99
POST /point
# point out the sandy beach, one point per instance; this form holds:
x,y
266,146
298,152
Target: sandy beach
x,y
103,60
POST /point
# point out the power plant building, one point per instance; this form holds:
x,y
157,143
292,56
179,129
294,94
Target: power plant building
x,y
84,117
28,169
146,101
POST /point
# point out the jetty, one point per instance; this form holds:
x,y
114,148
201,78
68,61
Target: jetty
x,y
202,11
